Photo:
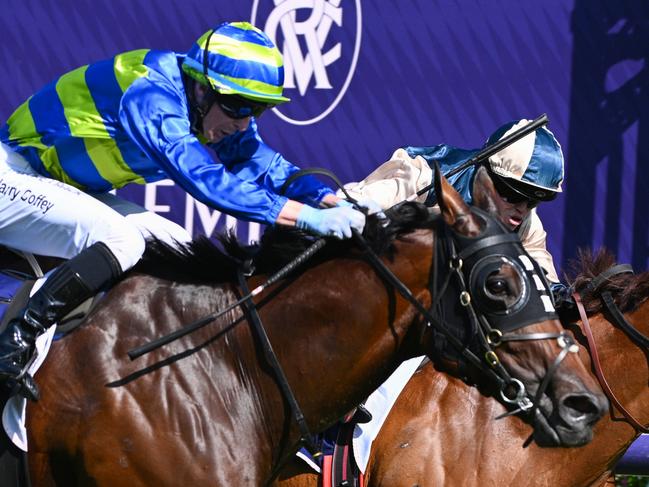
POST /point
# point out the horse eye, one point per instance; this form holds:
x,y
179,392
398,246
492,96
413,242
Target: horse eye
x,y
497,285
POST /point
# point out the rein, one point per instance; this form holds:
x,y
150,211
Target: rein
x,y
250,309
478,322
618,319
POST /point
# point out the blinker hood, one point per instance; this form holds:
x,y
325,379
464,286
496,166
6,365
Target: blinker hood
x,y
485,255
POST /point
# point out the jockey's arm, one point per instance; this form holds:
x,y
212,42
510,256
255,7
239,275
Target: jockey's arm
x,y
393,181
534,238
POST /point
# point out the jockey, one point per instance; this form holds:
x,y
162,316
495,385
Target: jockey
x,y
139,117
524,174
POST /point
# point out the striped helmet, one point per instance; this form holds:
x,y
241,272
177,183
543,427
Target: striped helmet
x,y
238,59
532,165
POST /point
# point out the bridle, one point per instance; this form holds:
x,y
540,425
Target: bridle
x,y
468,259
617,318
463,254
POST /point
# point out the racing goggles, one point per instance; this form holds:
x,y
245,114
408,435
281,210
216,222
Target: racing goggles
x,y
519,194
234,106
237,107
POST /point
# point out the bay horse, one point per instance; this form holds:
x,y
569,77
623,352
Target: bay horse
x,y
207,409
441,432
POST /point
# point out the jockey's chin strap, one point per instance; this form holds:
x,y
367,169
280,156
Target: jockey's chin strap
x,y
618,319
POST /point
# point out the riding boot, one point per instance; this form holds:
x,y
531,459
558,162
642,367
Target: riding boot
x,y
361,415
358,415
68,286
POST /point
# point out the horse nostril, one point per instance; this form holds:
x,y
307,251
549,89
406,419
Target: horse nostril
x,y
581,407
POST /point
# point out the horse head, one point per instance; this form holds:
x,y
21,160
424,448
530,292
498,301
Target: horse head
x,y
501,292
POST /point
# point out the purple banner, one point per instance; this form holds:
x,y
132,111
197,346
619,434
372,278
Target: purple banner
x,y
368,77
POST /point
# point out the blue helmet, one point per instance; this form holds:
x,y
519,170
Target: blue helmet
x,y
237,58
532,165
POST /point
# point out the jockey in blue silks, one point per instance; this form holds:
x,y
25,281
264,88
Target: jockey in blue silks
x,y
140,117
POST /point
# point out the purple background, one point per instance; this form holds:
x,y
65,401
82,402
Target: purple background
x,y
428,71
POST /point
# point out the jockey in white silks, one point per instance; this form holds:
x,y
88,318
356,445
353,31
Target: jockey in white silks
x,y
525,173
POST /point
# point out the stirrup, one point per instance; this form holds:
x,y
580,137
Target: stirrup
x,y
25,387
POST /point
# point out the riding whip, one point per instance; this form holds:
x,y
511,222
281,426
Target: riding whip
x,y
489,151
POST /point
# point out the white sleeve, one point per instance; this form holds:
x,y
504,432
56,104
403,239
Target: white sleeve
x,y
533,238
393,181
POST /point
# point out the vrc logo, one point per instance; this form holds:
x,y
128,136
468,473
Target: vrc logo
x,y
320,41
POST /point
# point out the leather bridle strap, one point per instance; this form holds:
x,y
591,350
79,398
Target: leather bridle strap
x,y
621,321
594,285
306,438
483,243
598,368
394,281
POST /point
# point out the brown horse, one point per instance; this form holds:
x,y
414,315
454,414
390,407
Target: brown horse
x,y
207,410
441,432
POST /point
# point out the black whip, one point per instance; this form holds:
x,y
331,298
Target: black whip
x,y
489,151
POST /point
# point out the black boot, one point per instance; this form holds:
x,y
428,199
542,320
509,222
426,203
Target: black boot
x,y
68,286
361,415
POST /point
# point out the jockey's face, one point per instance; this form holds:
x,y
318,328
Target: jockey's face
x,y
513,206
217,124
511,214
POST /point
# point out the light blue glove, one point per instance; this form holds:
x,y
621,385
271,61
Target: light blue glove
x,y
331,222
369,204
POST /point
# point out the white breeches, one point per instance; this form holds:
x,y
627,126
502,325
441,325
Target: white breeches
x,y
48,217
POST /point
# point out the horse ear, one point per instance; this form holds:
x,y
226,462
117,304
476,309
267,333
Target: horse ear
x,y
484,192
455,211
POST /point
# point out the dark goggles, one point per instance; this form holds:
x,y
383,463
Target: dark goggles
x,y
512,195
237,107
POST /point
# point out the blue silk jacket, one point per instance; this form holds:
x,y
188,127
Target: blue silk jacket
x,y
126,120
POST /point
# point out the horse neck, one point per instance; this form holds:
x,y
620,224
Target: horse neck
x,y
625,364
348,329
626,368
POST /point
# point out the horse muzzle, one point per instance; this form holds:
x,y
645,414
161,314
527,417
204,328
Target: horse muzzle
x,y
568,419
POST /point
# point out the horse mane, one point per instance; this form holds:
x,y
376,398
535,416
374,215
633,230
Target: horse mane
x,y
628,290
203,261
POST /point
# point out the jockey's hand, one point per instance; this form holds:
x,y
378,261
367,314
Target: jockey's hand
x,y
369,204
330,222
